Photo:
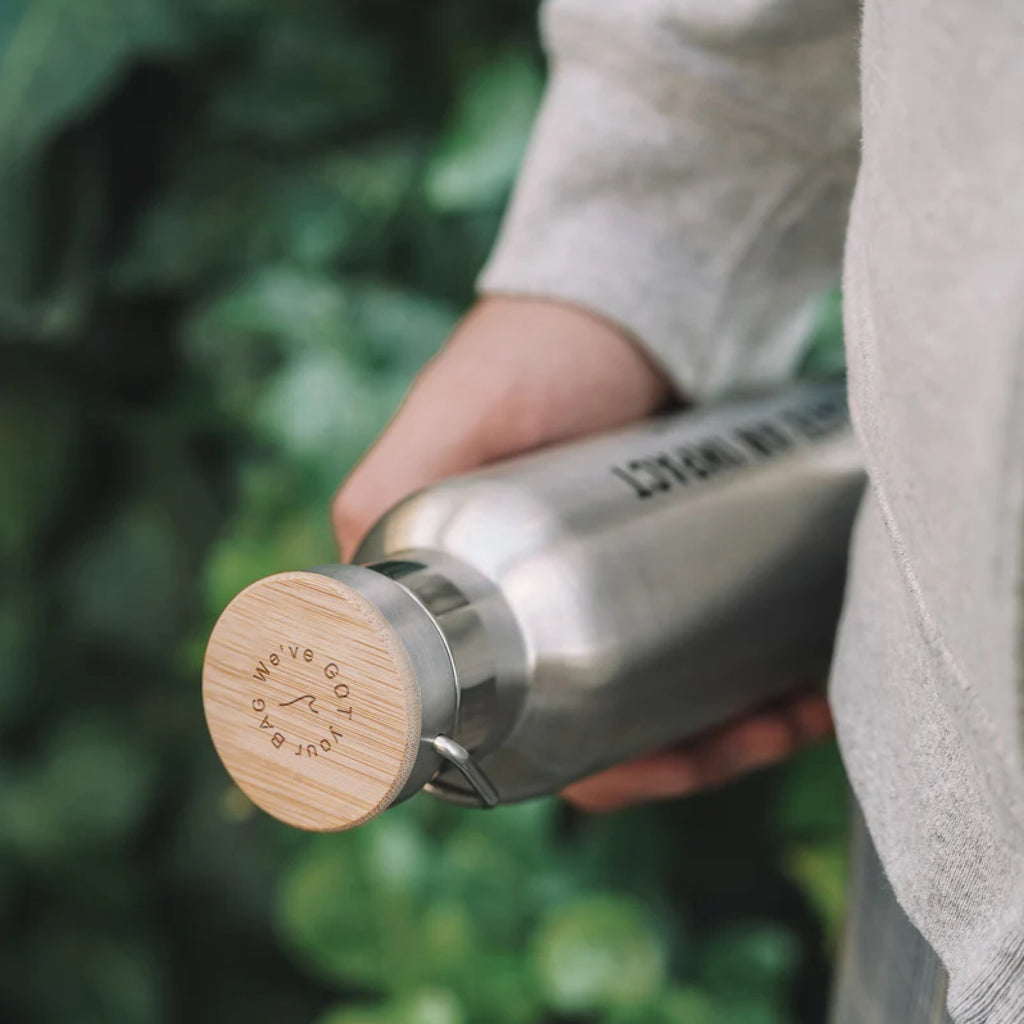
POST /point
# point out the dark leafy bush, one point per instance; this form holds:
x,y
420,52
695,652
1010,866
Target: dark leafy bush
x,y
230,233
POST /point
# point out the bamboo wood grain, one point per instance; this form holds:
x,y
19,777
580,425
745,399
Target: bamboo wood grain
x,y
311,701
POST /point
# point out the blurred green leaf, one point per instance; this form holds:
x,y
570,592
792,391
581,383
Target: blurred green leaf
x,y
315,364
52,213
398,330
227,209
632,847
432,909
367,932
820,870
296,309
203,222
127,584
496,985
103,978
360,1013
308,71
318,402
747,1010
810,813
429,1006
241,557
678,1005
87,789
825,353
301,310
450,937
480,152
215,17
36,443
18,619
753,961
685,1006
598,952
812,801
57,57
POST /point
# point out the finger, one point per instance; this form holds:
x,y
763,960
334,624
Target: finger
x,y
711,759
811,716
755,742
661,776
702,763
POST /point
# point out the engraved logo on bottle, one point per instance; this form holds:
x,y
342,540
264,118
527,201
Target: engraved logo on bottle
x,y
758,440
311,721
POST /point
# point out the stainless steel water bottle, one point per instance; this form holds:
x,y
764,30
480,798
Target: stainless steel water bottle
x,y
514,629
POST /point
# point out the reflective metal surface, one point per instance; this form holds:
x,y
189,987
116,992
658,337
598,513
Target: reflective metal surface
x,y
607,597
429,655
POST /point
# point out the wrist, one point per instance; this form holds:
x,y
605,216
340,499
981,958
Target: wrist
x,y
552,371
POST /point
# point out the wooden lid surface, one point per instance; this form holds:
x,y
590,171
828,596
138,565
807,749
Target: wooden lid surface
x,y
311,701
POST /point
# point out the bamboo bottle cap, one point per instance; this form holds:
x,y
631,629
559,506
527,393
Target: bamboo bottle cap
x,y
312,699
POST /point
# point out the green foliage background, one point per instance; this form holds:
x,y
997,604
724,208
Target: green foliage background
x,y
230,233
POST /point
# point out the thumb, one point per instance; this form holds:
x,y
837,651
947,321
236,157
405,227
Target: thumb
x,y
428,439
516,374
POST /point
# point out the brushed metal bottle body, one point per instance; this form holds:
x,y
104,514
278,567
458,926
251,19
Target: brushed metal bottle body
x,y
607,597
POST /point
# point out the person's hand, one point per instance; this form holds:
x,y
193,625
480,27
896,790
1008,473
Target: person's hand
x,y
759,739
520,374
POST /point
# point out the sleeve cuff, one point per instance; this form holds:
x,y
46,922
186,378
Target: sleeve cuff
x,y
707,242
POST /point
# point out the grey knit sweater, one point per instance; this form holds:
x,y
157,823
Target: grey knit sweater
x,y
690,177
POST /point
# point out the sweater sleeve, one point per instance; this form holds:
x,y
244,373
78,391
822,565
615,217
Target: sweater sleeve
x,y
689,177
